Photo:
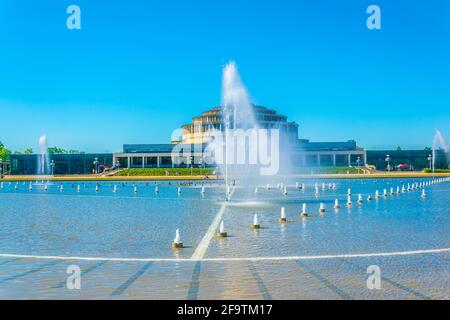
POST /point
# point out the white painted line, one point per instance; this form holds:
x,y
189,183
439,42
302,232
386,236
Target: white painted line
x,y
202,247
339,256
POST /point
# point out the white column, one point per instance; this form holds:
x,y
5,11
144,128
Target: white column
x,y
318,160
334,159
158,161
129,162
143,162
349,156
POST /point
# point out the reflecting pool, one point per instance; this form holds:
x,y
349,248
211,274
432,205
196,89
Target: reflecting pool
x,y
127,229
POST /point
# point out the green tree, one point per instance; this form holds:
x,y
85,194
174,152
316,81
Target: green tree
x,y
26,151
56,150
399,148
4,153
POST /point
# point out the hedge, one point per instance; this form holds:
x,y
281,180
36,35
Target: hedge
x,y
428,170
165,172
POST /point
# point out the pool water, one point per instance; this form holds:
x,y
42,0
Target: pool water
x,y
142,224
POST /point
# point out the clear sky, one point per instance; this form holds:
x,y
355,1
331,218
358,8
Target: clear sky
x,y
139,69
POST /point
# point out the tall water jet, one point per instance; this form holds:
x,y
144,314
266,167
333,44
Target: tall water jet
x,y
238,113
43,160
438,140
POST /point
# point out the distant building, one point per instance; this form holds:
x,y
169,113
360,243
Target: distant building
x,y
26,164
414,159
201,127
300,153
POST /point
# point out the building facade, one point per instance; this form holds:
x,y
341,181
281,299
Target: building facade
x,y
189,150
27,164
200,129
295,152
320,154
415,159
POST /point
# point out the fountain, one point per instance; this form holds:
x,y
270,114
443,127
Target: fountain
x,y
336,204
244,152
238,114
322,207
304,213
360,198
221,233
43,160
438,140
349,201
177,244
255,224
282,216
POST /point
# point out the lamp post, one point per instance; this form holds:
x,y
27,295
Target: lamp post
x,y
430,159
52,165
388,160
191,162
358,162
96,165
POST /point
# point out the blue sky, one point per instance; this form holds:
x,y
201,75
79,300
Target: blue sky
x,y
139,69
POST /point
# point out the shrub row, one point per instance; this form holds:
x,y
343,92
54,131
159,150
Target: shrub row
x,y
329,170
428,170
164,172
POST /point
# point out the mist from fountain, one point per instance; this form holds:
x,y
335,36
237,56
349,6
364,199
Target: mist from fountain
x,y
43,159
438,140
238,113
